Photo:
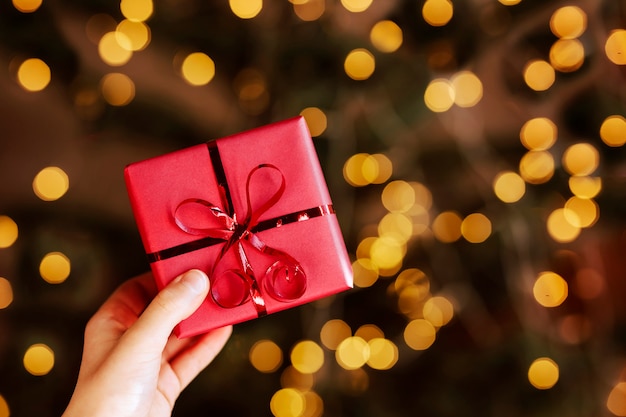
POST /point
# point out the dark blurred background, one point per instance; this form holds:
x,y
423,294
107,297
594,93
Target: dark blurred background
x,y
477,293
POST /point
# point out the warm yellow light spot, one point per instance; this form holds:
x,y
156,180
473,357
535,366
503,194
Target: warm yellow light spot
x,y
309,10
411,300
616,402
8,231
307,357
292,378
419,334
437,12
568,22
585,187
365,273
352,353
398,196
246,9
266,356
368,332
581,212
476,228
543,373
356,6
509,186
287,402
115,48
6,293
615,47
550,289
38,359
539,75
613,130
536,167
51,183
137,10
538,134
198,69
397,226
334,332
135,35
581,159
27,6
510,2
314,405
413,278
55,267
359,64
383,354
33,74
365,246
4,408
468,89
447,226
423,196
438,310
363,169
315,119
117,89
384,168
387,253
439,95
386,36
567,55
560,228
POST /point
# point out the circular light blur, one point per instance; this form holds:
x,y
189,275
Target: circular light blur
x,y
51,183
509,186
615,47
383,354
365,272
538,134
536,167
447,227
386,36
315,120
439,95
398,196
266,356
33,74
55,267
616,402
8,231
437,12
543,373
581,159
539,75
560,228
359,64
137,34
468,89
567,55
568,22
27,6
476,228
419,334
136,10
4,408
550,289
287,402
309,10
581,212
356,6
6,293
115,48
307,357
246,9
38,359
198,69
613,130
585,187
117,89
438,310
352,353
334,332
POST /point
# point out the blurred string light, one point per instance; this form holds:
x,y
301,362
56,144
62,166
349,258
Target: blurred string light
x,y
8,231
55,267
5,411
464,89
550,289
543,373
560,227
359,64
363,169
51,183
27,6
447,226
437,12
581,159
419,334
137,10
616,401
536,167
585,186
246,9
386,36
567,55
133,35
38,359
307,357
115,48
509,186
568,22
266,356
198,69
6,293
539,75
33,74
315,119
333,332
538,134
117,89
615,46
308,10
287,402
510,2
356,6
292,378
613,130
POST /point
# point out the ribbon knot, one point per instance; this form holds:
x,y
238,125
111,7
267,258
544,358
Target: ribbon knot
x,y
284,280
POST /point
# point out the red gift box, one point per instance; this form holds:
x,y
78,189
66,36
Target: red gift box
x,y
253,211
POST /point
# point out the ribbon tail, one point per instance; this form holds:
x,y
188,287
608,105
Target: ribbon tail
x,y
255,291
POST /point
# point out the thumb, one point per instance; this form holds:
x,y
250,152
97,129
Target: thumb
x,y
174,303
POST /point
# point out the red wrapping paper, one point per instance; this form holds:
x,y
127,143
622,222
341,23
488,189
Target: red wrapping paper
x,y
175,198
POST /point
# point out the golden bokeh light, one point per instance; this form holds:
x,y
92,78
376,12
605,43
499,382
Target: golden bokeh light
x,y
476,228
423,196
359,64
27,6
115,49
510,2
8,231
536,167
387,254
567,55
439,95
364,247
307,357
538,134
550,289
581,159
509,187
584,186
266,356
386,36
616,401
33,75
135,35
581,212
398,196
384,168
287,402
560,228
55,267
313,403
5,411
365,272
412,277
137,10
543,373
315,119
292,378
438,311
38,359
437,12
352,353
6,293
117,89
539,75
383,354
51,183
198,69
411,300
363,169
397,226
447,227
334,332
356,6
309,10
568,22
613,130
246,9
419,334
368,332
468,89
615,47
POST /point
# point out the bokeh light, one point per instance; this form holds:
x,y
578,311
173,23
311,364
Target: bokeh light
x,y
543,373
539,75
198,69
538,134
550,289
307,357
55,267
287,402
613,130
292,378
383,354
398,226
368,332
476,228
266,356
27,6
365,272
246,9
437,12
386,36
616,401
387,253
352,353
510,2
439,95
39,359
581,212
398,196
585,186
51,183
363,169
135,35
447,226
560,228
117,89
509,186
309,10
438,311
313,403
567,55
315,119
468,89
115,48
568,22
536,167
356,6
615,46
33,74
359,64
6,293
5,411
8,231
334,332
137,10
581,159
419,334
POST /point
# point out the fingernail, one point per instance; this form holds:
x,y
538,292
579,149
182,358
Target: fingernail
x,y
196,280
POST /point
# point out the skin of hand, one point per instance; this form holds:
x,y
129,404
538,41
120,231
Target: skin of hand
x,y
132,364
